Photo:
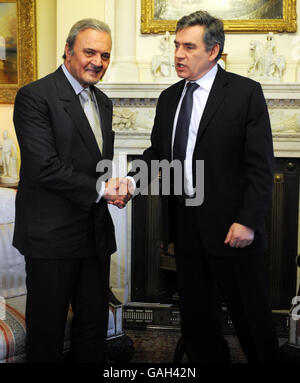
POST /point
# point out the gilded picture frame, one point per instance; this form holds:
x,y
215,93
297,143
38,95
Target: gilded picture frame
x,y
285,21
18,60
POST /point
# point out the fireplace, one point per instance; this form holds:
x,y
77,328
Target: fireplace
x,y
282,227
152,274
153,270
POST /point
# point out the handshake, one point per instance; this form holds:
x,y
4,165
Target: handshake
x,y
118,191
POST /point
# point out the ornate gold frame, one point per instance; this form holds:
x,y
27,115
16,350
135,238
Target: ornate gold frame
x,y
26,50
287,24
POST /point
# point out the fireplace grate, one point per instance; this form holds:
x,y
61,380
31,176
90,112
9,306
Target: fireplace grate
x,y
142,315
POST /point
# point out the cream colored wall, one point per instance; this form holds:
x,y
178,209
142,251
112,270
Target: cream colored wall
x,y
46,36
6,115
6,123
70,11
236,46
46,56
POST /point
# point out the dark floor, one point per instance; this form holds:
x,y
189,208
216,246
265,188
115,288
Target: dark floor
x,y
158,346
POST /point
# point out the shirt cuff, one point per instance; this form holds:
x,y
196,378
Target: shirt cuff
x,y
101,192
133,183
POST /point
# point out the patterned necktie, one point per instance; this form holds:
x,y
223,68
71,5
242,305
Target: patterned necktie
x,y
183,123
91,113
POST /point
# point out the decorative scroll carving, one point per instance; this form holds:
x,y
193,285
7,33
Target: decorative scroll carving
x,y
124,119
122,102
285,122
283,103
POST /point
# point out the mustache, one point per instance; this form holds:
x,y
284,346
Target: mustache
x,y
95,68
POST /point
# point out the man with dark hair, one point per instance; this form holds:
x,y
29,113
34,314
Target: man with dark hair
x,y
63,227
220,118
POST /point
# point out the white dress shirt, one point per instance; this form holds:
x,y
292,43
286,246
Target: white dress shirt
x,y
200,97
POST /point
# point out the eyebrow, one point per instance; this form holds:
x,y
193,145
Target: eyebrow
x,y
94,50
185,44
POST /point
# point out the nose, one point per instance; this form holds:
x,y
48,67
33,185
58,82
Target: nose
x,y
179,52
97,60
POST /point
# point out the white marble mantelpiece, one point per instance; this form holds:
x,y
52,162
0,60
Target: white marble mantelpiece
x,y
153,90
282,91
283,101
286,145
131,90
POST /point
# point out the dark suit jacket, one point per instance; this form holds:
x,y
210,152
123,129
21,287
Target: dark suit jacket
x,y
56,213
234,140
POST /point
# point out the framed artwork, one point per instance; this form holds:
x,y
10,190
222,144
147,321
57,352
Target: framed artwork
x,y
17,47
159,16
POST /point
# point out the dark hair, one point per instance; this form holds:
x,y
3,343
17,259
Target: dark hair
x,y
81,25
214,29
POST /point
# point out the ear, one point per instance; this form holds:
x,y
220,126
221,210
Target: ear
x,y
67,51
214,52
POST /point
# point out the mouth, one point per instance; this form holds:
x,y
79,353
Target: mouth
x,y
180,66
94,70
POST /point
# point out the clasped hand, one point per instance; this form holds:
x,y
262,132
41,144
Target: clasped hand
x,y
118,191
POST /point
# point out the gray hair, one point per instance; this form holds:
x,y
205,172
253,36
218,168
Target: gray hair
x,y
214,29
81,25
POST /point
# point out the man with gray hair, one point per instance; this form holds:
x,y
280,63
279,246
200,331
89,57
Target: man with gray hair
x,y
220,118
63,227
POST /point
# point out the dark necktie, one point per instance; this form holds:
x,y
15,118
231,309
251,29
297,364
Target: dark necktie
x,y
183,123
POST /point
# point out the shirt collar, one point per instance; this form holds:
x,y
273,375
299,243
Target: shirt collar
x,y
72,80
207,80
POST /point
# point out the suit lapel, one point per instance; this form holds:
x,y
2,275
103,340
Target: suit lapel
x,y
215,98
73,108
